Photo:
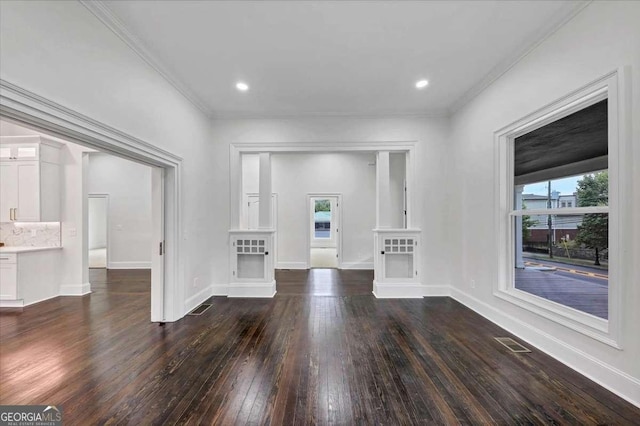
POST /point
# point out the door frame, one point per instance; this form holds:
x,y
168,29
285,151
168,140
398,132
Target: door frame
x,y
34,111
105,197
338,222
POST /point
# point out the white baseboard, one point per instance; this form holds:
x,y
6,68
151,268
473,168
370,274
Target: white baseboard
x,y
19,303
398,290
607,376
252,289
291,265
220,290
129,265
436,290
357,265
75,289
197,299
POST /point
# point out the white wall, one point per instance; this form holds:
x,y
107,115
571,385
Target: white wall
x,y
431,133
61,51
603,37
296,175
128,185
97,226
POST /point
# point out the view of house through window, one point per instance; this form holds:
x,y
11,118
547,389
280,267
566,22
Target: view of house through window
x,y
322,219
562,167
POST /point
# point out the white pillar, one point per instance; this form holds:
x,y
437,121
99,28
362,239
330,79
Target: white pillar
x,y
383,191
518,234
236,192
264,212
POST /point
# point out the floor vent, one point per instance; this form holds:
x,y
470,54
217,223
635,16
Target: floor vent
x,y
200,309
512,345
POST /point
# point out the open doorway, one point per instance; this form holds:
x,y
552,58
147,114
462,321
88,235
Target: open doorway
x,y
324,231
80,227
98,235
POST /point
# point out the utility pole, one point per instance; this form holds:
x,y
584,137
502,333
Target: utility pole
x,y
549,222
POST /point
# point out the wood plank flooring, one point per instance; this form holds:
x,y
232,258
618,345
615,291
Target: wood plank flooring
x,y
323,351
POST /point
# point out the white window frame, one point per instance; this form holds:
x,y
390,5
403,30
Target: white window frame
x,y
610,87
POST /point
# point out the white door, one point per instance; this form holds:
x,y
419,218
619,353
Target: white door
x,y
324,221
8,190
158,247
28,208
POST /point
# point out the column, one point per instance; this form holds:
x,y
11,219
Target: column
x,y
383,191
264,212
518,223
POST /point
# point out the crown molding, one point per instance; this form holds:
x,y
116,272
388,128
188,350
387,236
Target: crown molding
x,y
111,21
310,115
518,55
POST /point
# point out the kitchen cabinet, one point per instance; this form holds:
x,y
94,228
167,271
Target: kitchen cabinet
x,y
8,277
29,179
28,275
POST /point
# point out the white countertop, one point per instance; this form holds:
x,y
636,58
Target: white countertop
x,y
24,249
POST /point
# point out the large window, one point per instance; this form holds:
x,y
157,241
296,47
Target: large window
x,y
558,225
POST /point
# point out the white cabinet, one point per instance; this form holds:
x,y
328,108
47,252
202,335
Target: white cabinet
x,y
397,263
29,275
252,267
29,179
8,277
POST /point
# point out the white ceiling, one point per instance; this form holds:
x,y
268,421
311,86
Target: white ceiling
x,y
316,58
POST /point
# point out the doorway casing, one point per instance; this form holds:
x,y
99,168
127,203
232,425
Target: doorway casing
x,y
34,111
265,149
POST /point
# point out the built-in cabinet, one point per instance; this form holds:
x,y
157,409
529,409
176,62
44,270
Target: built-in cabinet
x,y
252,267
397,263
28,275
29,179
8,277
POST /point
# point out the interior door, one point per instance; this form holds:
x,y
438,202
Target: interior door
x,y
158,247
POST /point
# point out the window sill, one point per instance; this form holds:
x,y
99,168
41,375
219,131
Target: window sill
x,y
589,325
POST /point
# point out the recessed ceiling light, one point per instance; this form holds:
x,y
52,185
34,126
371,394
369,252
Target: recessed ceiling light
x,y
421,84
243,87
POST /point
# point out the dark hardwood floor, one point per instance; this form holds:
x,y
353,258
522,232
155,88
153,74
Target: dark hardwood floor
x,y
324,350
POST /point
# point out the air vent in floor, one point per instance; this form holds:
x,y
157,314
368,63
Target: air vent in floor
x,y
200,309
511,344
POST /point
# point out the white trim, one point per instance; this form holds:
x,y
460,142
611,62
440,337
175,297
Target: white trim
x,y
397,290
19,303
357,265
129,265
564,211
257,290
219,289
335,224
111,21
75,289
291,265
436,290
33,110
192,302
611,87
607,376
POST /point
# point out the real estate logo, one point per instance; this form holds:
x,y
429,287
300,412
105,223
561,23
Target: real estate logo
x,y
30,415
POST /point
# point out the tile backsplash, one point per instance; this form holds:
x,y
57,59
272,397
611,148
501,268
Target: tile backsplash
x,y
37,234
